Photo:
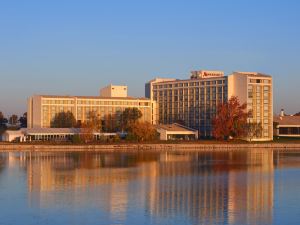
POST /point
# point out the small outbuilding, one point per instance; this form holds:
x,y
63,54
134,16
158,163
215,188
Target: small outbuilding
x,y
176,131
13,135
287,126
47,134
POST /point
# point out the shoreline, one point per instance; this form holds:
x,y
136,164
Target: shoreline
x,y
150,147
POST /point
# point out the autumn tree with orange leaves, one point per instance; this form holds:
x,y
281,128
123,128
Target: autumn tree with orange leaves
x,y
230,120
143,131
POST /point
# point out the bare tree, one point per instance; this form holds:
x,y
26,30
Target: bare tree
x,y
253,130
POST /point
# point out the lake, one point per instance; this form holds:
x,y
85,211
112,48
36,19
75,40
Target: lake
x,y
229,187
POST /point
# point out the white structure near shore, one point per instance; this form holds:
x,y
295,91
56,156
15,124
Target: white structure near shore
x,y
287,125
47,134
176,132
13,135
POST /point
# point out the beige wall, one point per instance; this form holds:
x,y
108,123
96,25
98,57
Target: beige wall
x,y
114,91
42,109
34,109
237,86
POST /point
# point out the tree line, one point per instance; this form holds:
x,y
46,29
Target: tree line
x,y
129,122
13,120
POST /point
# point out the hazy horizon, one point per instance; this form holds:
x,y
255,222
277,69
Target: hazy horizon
x,y
76,47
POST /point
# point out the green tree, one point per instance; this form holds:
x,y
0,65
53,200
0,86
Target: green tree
x,y
63,120
13,119
128,117
230,120
3,120
1,117
23,120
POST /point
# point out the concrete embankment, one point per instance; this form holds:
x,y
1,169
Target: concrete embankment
x,y
152,147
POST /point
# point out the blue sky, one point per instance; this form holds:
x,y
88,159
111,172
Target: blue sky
x,y
75,47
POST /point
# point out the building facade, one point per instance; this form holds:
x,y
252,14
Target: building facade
x,y
286,125
43,108
193,102
255,89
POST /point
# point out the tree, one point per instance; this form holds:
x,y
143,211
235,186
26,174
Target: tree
x,y
13,119
1,117
230,120
23,120
253,130
93,121
109,123
128,117
91,125
86,133
3,120
63,120
143,131
297,114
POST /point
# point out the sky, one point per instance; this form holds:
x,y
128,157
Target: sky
x,y
72,47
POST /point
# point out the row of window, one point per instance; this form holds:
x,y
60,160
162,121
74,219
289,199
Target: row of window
x,y
257,81
189,84
191,91
94,102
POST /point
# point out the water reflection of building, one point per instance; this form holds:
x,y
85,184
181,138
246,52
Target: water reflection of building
x,y
202,187
251,194
183,193
239,188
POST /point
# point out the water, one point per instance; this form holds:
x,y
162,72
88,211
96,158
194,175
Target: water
x,y
245,187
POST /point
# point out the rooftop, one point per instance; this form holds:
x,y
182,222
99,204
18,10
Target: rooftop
x,y
253,74
93,97
207,75
174,127
287,120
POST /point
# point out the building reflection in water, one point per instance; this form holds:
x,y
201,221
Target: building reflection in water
x,y
203,187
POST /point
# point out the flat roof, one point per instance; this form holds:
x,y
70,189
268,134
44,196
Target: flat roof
x,y
252,74
52,130
94,97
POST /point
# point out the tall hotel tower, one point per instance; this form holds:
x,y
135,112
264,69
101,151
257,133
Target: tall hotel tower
x,y
194,101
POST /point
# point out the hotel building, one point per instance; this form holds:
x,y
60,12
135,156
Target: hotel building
x,y
108,106
194,101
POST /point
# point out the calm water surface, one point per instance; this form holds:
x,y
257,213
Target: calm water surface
x,y
245,187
